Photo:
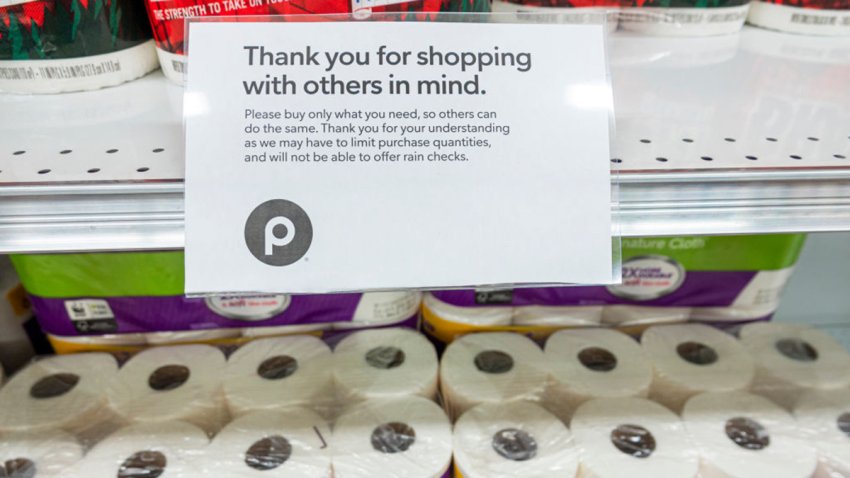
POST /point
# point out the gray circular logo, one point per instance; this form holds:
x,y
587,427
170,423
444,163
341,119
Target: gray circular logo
x,y
278,232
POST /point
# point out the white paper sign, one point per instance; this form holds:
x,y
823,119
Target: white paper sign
x,y
363,155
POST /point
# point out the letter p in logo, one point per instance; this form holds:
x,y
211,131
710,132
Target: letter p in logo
x,y
278,232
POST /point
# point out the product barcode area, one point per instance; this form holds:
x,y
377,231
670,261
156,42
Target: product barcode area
x,y
83,70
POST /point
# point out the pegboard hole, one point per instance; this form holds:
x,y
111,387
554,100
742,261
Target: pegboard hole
x,y
752,158
812,138
707,158
93,170
65,151
143,170
111,151
729,140
661,160
18,153
158,150
43,171
687,140
795,156
645,141
617,160
839,156
772,140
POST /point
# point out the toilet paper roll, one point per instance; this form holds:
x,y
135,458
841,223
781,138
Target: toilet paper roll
x,y
810,17
491,367
164,384
290,444
284,330
690,359
384,363
557,316
67,392
277,373
626,315
632,437
823,418
395,438
377,309
164,450
685,17
502,440
593,363
39,455
481,316
790,358
571,12
738,434
186,336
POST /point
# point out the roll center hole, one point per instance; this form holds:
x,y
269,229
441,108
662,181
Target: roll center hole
x,y
697,353
168,377
633,440
385,357
143,464
54,385
796,349
515,444
393,437
597,359
18,468
747,433
494,361
843,423
277,367
268,453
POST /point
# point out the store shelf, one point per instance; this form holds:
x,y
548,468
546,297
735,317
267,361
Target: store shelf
x,y
746,133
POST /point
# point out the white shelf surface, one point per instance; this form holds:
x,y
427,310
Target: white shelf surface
x,y
746,133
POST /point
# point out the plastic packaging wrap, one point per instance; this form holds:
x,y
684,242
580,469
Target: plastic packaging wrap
x,y
823,417
15,346
810,17
685,17
56,46
729,280
124,301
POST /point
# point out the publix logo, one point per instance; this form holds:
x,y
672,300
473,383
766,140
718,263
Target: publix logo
x,y
649,277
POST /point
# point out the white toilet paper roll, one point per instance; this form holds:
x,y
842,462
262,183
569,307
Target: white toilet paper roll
x,y
275,330
742,435
625,315
632,437
690,359
502,440
491,367
101,340
593,363
546,316
39,455
290,444
163,384
384,363
164,450
396,438
377,309
823,418
277,373
790,358
486,316
67,392
187,336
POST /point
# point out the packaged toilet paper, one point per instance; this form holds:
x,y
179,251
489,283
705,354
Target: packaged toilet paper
x,y
719,279
506,440
823,418
593,363
741,435
136,299
632,437
15,315
39,455
392,438
67,393
566,11
165,384
808,17
694,358
685,17
167,17
279,373
166,450
491,367
384,363
283,444
57,46
792,358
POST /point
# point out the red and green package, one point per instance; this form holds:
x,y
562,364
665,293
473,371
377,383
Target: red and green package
x,y
167,17
809,17
52,46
